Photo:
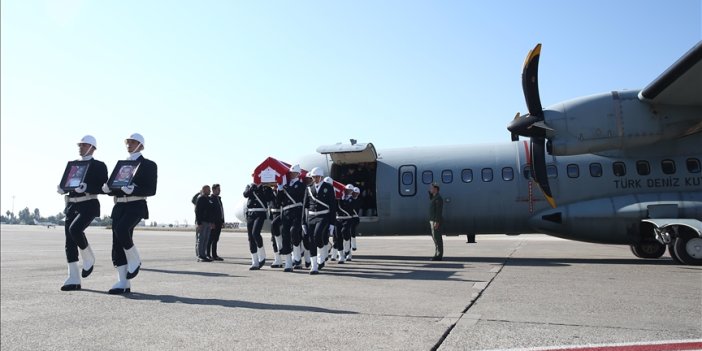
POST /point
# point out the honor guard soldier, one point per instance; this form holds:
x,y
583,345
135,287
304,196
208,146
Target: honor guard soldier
x,y
332,223
256,212
319,202
356,220
290,196
276,240
129,210
82,206
344,219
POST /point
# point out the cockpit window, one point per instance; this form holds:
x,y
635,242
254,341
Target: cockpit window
x,y
596,169
643,167
427,177
668,166
693,165
446,176
619,169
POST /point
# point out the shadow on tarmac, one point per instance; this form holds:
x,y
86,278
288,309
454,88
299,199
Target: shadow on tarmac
x,y
450,262
203,274
231,303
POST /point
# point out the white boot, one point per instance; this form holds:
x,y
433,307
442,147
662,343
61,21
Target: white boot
x,y
123,285
261,256
347,249
277,263
254,262
333,254
73,280
342,257
353,244
133,262
88,261
288,264
315,267
296,257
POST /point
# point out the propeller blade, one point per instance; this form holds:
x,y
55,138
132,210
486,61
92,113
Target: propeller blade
x,y
515,136
538,167
530,82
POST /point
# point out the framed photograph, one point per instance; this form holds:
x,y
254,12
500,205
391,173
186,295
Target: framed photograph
x,y
123,174
74,174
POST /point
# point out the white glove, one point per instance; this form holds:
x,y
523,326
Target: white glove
x,y
285,180
129,189
59,190
331,229
81,188
106,189
280,186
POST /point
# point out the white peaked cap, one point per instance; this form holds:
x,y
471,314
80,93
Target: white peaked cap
x,y
295,169
137,137
316,172
88,139
349,187
329,180
356,190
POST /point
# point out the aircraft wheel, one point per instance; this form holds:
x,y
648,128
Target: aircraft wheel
x,y
689,249
648,249
673,255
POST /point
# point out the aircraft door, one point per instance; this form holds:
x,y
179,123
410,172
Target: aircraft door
x,y
407,180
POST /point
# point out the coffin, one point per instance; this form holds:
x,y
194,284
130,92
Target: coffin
x,y
272,170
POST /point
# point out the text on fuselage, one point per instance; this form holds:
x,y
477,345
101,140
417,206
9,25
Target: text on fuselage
x,y
667,182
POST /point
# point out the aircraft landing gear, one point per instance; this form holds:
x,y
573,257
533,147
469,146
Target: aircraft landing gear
x,y
673,255
688,249
648,249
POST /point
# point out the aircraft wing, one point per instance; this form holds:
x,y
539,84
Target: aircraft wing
x,y
680,84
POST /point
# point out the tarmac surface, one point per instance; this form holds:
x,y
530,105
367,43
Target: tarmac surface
x,y
505,292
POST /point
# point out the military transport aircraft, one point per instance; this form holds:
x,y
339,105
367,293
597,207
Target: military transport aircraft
x,y
621,167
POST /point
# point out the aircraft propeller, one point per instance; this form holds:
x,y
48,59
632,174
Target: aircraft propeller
x,y
532,124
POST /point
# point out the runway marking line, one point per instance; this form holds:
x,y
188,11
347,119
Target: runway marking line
x,y
644,346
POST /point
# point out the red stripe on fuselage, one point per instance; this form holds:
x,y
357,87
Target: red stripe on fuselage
x,y
528,154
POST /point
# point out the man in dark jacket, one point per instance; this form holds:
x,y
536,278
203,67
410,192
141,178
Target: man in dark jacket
x,y
436,206
217,222
204,224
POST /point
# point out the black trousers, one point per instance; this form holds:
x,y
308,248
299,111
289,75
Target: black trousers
x,y
275,231
254,223
214,240
354,225
291,229
75,233
342,232
125,216
317,229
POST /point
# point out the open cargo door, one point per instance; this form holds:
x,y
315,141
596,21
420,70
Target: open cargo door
x,y
342,154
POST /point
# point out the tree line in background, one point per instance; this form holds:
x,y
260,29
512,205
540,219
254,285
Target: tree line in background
x,y
28,217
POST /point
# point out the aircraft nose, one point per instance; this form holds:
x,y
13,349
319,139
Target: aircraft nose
x,y
240,211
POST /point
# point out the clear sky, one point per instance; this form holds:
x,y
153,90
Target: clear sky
x,y
217,86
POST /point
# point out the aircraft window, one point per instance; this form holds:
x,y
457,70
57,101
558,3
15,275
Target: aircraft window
x,y
552,171
487,174
596,169
407,178
643,168
693,165
527,172
507,173
573,170
619,169
427,177
467,175
446,176
668,166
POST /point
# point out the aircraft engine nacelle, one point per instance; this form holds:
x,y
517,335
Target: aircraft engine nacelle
x,y
615,220
616,120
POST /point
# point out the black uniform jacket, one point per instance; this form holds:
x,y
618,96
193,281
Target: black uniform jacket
x,y
326,196
94,179
264,193
144,183
295,191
